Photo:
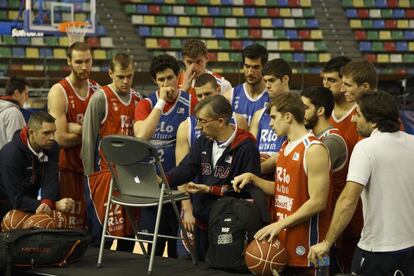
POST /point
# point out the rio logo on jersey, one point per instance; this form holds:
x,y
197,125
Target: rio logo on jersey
x,y
126,125
267,136
282,175
163,127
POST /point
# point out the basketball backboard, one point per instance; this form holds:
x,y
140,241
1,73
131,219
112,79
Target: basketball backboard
x,y
46,15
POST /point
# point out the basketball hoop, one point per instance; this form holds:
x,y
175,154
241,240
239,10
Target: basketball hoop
x,y
75,30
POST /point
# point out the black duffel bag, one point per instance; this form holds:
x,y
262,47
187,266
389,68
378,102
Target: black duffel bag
x,y
41,247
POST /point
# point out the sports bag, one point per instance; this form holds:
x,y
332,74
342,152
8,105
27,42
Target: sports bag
x,y
232,225
41,247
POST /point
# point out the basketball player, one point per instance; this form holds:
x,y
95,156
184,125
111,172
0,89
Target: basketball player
x,y
110,111
195,58
301,187
381,174
251,95
319,103
156,120
67,102
28,163
358,77
277,74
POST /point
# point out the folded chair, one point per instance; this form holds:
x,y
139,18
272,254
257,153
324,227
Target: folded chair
x,y
133,163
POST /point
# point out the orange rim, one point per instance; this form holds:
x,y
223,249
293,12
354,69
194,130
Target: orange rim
x,y
63,27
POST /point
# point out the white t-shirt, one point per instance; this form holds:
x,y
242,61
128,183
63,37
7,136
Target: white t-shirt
x,y
384,164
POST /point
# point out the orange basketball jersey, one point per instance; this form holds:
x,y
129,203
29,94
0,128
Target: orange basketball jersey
x,y
69,158
119,117
347,128
291,192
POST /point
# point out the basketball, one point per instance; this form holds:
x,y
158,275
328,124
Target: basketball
x,y
39,221
59,219
14,219
264,258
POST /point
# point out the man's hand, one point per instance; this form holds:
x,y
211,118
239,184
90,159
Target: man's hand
x,y
43,208
189,220
75,128
165,92
271,231
242,180
65,204
197,188
189,76
317,251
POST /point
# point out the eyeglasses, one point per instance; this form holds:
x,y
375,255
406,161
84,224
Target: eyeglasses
x,y
201,121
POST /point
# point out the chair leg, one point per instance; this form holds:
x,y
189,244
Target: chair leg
x,y
101,246
157,226
186,239
128,211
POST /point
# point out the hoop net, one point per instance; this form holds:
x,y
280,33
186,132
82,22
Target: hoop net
x,y
75,30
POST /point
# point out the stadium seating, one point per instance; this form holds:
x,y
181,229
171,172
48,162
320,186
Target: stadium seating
x,y
287,28
384,29
25,53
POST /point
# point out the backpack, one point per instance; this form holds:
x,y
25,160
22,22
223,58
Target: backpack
x,y
232,225
41,247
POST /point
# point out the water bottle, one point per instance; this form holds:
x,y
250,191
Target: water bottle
x,y
323,266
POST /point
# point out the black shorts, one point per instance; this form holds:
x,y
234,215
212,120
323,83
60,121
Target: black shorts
x,y
399,263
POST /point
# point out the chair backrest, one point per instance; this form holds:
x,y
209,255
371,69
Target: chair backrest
x,y
128,158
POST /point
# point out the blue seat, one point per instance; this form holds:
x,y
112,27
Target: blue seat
x,y
46,53
227,2
249,11
365,46
18,52
3,4
379,24
291,34
401,46
398,13
213,10
409,34
381,3
299,57
218,32
312,23
277,22
144,31
247,43
23,41
100,30
351,13
142,8
172,20
283,3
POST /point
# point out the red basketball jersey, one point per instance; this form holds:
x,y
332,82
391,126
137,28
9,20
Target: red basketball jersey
x,y
291,192
119,118
69,158
347,128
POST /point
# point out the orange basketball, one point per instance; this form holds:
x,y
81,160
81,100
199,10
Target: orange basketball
x,y
264,258
39,221
14,219
59,218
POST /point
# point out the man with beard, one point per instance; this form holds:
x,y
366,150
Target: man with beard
x,y
110,111
218,155
251,95
381,174
195,58
29,163
319,103
67,102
